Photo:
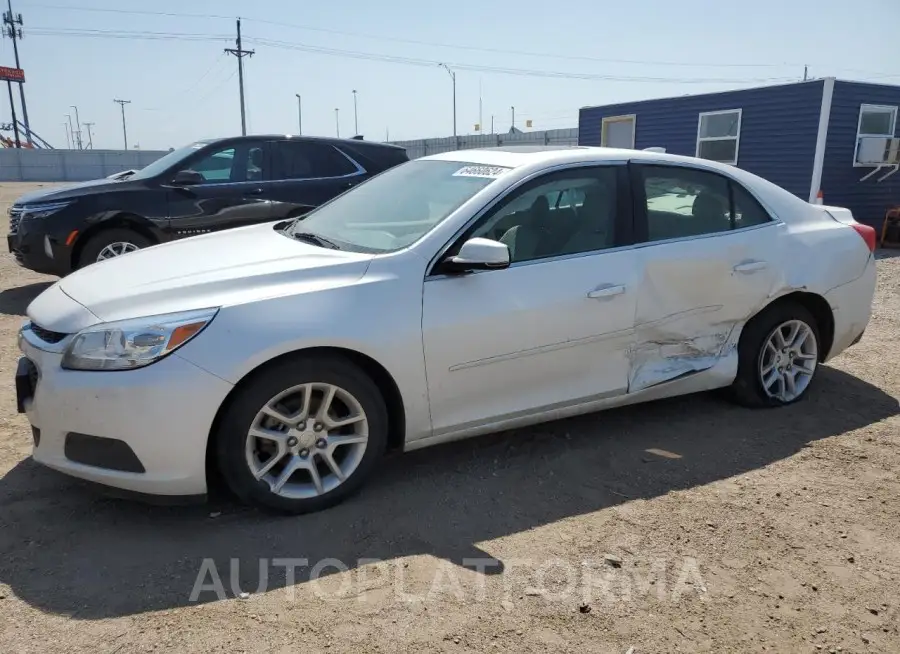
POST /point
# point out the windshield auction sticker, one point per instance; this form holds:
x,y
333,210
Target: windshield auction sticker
x,y
491,172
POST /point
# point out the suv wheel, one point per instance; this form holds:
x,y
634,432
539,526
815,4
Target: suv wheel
x,y
111,243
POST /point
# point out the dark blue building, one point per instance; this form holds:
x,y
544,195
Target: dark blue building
x,y
823,135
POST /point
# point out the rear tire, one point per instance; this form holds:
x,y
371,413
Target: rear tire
x,y
110,243
277,448
778,356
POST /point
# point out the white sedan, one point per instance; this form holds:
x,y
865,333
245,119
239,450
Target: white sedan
x,y
455,295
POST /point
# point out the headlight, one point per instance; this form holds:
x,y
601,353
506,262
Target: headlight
x,y
129,344
43,210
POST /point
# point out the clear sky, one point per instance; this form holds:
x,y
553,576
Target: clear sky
x,y
545,58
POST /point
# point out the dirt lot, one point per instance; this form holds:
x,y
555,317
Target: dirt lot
x,y
682,526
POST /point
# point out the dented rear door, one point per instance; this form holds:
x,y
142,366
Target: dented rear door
x,y
698,280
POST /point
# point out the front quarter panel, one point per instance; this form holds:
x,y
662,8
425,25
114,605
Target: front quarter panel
x,y
378,315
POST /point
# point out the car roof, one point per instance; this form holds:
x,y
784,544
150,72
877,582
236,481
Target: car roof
x,y
529,155
296,137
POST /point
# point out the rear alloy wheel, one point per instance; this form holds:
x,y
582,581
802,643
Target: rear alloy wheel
x,y
111,243
778,357
302,435
788,360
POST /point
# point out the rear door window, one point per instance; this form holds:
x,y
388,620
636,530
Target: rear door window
x,y
305,160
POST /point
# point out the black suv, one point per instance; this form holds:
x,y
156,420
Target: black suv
x,y
202,187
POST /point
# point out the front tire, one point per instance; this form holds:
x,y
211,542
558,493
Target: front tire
x,y
302,435
778,356
111,243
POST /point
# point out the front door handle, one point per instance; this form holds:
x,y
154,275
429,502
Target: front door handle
x,y
750,267
254,191
607,291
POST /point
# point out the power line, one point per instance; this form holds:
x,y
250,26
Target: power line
x,y
413,61
543,55
124,34
181,94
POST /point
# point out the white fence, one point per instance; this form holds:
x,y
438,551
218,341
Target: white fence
x,y
421,147
24,165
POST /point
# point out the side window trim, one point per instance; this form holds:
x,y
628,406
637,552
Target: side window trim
x,y
641,221
624,213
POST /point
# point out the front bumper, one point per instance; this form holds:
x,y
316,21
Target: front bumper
x,y
34,247
161,413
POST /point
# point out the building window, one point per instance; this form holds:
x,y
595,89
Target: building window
x,y
618,131
875,121
718,135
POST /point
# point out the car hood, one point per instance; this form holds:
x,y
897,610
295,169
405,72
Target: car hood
x,y
214,270
72,191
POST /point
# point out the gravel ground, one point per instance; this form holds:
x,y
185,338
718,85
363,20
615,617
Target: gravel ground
x,y
687,525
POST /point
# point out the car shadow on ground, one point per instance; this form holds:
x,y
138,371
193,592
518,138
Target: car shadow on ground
x,y
14,301
887,253
67,550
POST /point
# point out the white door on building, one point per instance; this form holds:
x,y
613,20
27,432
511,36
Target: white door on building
x,y
617,132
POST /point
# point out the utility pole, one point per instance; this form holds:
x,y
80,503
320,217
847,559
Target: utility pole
x,y
337,122
513,117
12,108
805,73
240,53
453,77
355,115
11,30
78,125
492,123
299,115
122,104
90,137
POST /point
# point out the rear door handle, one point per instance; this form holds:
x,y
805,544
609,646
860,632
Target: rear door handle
x,y
254,191
750,267
607,291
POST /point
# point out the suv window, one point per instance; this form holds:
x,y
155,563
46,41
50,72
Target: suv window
x,y
216,167
684,202
305,160
236,163
561,213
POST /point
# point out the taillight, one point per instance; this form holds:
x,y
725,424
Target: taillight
x,y
868,235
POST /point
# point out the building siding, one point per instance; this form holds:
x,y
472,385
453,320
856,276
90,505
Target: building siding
x,y
778,128
868,200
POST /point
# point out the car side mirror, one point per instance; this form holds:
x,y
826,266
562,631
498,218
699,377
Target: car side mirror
x,y
187,178
477,254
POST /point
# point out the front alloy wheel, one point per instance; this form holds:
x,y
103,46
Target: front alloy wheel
x,y
306,441
301,434
116,249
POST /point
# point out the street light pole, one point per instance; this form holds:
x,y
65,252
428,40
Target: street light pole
x,y
355,115
78,125
337,122
68,145
452,77
90,136
299,114
72,132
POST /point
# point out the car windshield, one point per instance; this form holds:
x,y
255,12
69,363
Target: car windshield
x,y
397,207
167,161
